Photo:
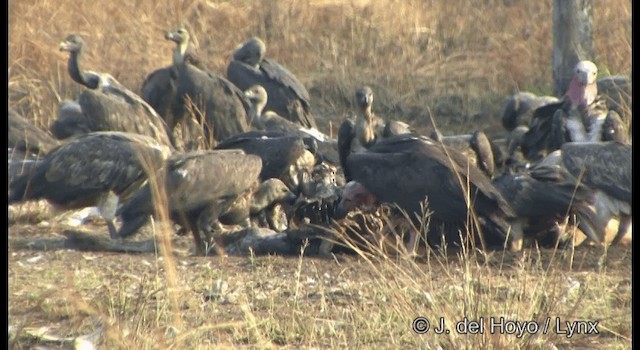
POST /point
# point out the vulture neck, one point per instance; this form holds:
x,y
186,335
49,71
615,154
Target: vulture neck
x,y
76,72
255,112
261,199
179,52
364,127
580,94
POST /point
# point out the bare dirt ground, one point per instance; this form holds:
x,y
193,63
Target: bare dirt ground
x,y
152,300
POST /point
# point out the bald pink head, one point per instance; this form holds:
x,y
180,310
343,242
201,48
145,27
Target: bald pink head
x,y
354,195
582,87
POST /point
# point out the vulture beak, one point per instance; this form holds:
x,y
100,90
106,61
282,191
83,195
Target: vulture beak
x,y
65,46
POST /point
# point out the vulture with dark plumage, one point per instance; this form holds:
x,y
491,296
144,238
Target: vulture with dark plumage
x,y
200,186
106,105
96,169
257,201
218,105
477,147
519,107
483,149
606,168
287,96
270,121
26,137
543,197
368,128
283,157
614,129
407,169
159,87
578,117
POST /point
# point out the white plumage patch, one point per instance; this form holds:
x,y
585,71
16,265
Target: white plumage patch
x,y
315,134
576,128
182,172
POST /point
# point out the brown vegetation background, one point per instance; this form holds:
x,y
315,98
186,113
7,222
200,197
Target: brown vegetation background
x,y
452,60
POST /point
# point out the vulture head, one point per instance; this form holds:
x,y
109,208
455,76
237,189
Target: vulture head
x,y
582,87
271,191
257,95
181,37
251,52
364,99
72,43
354,196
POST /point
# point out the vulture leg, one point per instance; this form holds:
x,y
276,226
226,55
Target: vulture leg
x,y
108,205
209,224
625,221
190,225
592,229
604,213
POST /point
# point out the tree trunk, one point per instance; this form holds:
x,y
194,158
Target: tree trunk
x,y
572,39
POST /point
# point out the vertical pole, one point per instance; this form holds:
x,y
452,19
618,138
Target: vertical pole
x,y
572,39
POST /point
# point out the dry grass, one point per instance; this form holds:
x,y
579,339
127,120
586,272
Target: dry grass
x,y
442,59
450,59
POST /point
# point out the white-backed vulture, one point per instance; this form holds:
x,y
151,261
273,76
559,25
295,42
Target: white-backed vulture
x,y
287,95
199,186
96,169
106,105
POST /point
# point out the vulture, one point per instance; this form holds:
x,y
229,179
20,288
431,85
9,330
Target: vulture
x,y
407,169
606,168
368,127
287,96
199,187
514,141
97,169
106,105
484,151
519,107
614,129
476,147
542,198
159,87
283,156
26,137
578,117
256,201
271,121
218,105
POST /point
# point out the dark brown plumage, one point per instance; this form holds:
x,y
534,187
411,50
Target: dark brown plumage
x,y
407,169
26,137
282,156
200,186
606,168
217,104
543,197
159,88
287,95
578,117
482,147
256,201
270,121
90,170
519,108
614,129
106,105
